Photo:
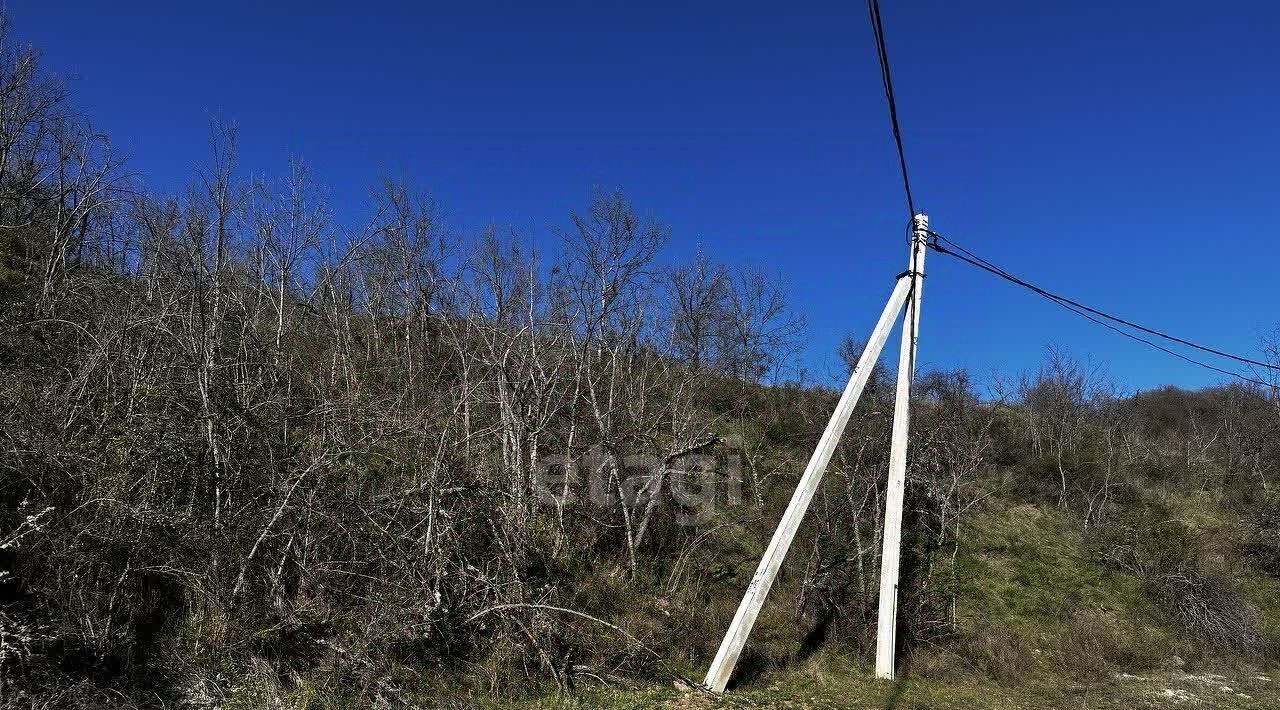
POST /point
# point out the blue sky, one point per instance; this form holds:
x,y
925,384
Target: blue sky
x,y
1125,153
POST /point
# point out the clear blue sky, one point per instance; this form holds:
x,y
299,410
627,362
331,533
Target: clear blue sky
x,y
1124,153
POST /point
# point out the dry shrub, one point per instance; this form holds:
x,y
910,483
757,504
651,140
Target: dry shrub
x,y
1210,610
1183,571
1001,654
1093,643
1262,534
939,663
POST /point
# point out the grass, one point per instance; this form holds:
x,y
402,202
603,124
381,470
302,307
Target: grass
x,y
830,681
1022,566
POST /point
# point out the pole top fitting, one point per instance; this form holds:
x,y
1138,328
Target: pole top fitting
x,y
920,225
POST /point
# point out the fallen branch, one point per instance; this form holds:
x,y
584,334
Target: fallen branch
x,y
562,610
573,612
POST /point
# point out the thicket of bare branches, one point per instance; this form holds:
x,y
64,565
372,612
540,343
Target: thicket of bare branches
x,y
234,430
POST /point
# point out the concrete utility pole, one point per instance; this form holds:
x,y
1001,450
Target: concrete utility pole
x,y
886,630
736,637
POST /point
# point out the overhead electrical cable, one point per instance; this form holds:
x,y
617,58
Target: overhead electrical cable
x,y
886,78
1095,315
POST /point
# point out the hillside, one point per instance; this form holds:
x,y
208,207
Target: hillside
x,y
252,457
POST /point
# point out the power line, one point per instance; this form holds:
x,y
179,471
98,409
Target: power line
x,y
1137,326
1096,316
873,8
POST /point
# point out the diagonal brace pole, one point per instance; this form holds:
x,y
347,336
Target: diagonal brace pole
x,y
762,581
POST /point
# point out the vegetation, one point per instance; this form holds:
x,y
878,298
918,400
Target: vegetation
x,y
251,458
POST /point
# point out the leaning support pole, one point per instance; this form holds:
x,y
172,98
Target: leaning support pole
x,y
749,609
886,630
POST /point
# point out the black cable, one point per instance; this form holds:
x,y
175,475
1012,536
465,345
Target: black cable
x,y
1161,348
873,8
1137,326
1089,312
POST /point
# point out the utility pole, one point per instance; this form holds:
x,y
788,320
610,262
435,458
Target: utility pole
x,y
891,554
907,287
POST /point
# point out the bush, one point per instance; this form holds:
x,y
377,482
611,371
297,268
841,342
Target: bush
x,y
1092,643
1262,535
1001,654
1177,564
1210,609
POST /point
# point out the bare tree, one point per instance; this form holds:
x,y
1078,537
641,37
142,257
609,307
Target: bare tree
x,y
1059,400
761,330
290,219
699,293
